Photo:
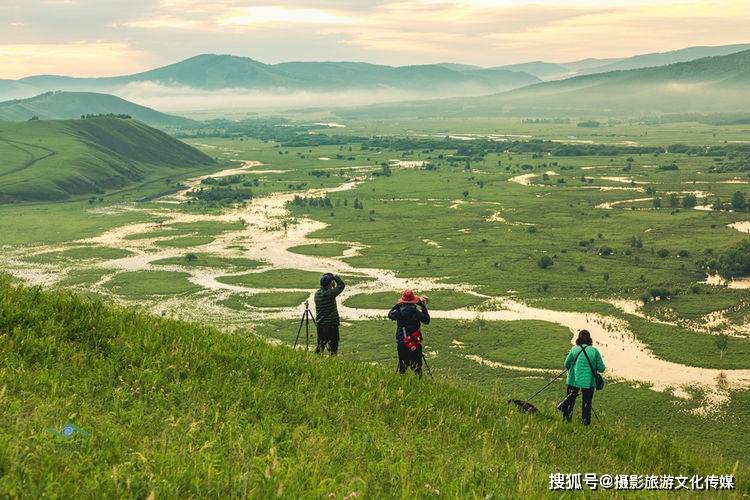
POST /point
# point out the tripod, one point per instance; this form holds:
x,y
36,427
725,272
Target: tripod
x,y
306,317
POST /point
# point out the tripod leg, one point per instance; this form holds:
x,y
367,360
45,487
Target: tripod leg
x,y
307,330
299,330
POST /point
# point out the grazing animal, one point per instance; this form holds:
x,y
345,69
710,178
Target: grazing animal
x,y
523,406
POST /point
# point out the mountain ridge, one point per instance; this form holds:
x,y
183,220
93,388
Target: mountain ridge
x,y
224,71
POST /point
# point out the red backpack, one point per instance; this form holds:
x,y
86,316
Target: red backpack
x,y
413,340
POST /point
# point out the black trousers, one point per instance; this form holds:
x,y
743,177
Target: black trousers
x,y
328,336
568,404
409,359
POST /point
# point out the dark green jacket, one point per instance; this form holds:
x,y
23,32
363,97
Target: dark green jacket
x,y
579,371
326,311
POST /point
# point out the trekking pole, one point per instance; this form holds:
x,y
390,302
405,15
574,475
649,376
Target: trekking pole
x,y
424,358
548,384
595,414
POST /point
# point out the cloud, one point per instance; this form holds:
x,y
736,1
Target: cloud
x,y
283,15
182,99
483,32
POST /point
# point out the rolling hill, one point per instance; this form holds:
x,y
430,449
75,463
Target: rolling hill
x,y
170,409
57,160
712,84
70,105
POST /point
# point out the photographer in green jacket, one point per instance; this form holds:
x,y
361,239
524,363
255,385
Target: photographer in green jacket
x,y
327,313
582,362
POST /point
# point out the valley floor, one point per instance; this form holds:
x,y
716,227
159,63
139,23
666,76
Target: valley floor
x,y
252,266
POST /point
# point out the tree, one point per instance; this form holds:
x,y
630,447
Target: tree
x,y
735,262
466,194
690,201
722,343
739,202
545,261
191,257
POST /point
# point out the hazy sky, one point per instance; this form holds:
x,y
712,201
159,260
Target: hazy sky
x,y
108,37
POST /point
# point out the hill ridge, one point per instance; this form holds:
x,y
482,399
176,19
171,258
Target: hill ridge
x,y
64,105
59,159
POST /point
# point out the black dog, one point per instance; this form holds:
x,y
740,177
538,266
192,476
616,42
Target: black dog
x,y
523,406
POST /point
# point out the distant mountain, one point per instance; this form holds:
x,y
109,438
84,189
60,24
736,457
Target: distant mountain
x,y
712,84
588,64
215,72
555,71
459,67
379,83
60,159
540,69
665,58
70,105
12,89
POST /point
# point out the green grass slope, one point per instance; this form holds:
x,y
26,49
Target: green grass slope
x,y
178,410
71,105
56,160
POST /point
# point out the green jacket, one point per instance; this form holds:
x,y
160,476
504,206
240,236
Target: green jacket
x,y
326,311
579,373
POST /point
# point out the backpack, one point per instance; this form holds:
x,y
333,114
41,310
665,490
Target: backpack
x,y
413,340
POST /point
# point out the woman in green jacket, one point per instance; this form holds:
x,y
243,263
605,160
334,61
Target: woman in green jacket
x,y
581,376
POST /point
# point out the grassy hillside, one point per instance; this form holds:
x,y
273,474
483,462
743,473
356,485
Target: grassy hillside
x,y
56,160
175,410
712,84
72,105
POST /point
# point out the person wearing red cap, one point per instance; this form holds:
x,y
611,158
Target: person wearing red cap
x,y
409,318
